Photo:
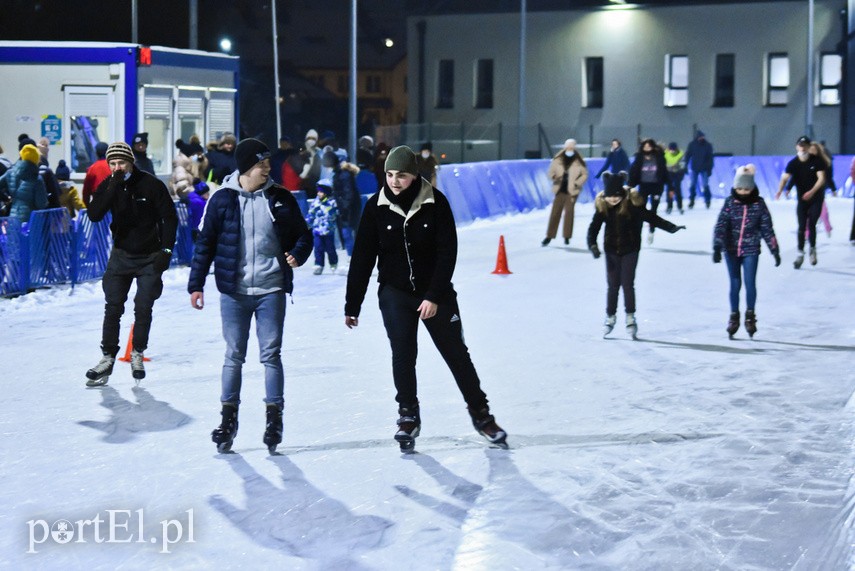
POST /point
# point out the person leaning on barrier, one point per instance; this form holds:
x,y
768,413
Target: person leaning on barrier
x,y
143,227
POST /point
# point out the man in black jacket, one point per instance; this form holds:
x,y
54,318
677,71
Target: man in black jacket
x,y
143,226
408,229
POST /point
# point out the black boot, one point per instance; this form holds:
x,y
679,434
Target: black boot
x,y
750,322
485,424
409,426
733,323
546,241
224,435
273,431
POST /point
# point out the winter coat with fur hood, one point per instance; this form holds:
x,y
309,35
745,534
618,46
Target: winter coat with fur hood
x,y
624,223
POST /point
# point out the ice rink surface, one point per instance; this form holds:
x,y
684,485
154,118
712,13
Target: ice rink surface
x,y
682,450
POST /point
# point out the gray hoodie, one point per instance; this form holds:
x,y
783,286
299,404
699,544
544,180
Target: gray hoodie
x,y
259,272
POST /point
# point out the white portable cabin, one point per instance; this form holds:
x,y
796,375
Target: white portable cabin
x,y
80,93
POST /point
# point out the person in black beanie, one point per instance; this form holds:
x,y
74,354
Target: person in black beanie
x,y
408,230
141,158
254,233
144,225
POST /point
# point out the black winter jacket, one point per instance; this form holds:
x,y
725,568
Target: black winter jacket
x,y
624,223
144,218
638,161
415,252
219,240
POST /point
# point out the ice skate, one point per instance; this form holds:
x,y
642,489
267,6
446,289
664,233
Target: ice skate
x,y
318,270
668,210
409,426
812,256
650,238
333,268
609,324
566,241
224,435
485,424
137,367
750,322
100,373
631,325
546,241
800,259
733,324
273,430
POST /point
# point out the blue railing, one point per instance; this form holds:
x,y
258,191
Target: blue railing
x,y
52,248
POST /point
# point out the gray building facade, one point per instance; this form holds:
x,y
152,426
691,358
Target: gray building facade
x,y
738,71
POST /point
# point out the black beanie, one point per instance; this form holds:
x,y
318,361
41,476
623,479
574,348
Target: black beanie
x,y
250,152
402,159
614,184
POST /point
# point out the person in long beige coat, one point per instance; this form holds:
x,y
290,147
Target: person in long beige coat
x,y
568,173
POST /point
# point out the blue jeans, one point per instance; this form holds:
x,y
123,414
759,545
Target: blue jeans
x,y
347,238
739,268
704,184
269,311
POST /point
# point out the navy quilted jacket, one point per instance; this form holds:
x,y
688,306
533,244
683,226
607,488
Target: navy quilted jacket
x,y
219,240
742,222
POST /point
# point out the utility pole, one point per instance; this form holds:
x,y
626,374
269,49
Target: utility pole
x,y
351,139
194,24
134,22
276,75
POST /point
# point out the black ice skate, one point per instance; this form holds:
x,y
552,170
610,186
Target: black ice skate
x,y
750,322
273,431
733,324
631,326
409,426
137,367
100,373
485,424
609,324
224,435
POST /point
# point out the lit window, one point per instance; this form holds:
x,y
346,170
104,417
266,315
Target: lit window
x,y
777,79
676,81
830,77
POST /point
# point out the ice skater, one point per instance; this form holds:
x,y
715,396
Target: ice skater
x,y
143,227
322,218
408,229
624,215
808,171
254,234
743,220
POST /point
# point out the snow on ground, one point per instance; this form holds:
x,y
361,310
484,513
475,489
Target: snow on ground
x,y
682,450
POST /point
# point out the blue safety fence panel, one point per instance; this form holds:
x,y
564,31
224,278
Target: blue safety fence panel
x,y
93,243
50,236
13,257
182,253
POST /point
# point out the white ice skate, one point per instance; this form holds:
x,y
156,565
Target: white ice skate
x,y
631,325
609,324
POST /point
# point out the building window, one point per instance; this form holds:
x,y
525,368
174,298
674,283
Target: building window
x,y
777,79
445,84
372,84
725,80
830,77
676,81
484,84
592,90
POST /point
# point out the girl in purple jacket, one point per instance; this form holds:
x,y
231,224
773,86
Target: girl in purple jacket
x,y
743,220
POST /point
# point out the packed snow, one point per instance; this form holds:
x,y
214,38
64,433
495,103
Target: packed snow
x,y
681,450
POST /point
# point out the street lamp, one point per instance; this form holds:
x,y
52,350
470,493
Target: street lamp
x,y
226,45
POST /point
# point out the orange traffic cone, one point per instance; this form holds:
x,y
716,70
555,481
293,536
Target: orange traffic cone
x,y
502,259
127,357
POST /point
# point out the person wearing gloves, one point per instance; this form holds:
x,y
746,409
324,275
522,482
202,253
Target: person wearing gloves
x,y
254,233
144,225
407,229
568,173
743,220
624,214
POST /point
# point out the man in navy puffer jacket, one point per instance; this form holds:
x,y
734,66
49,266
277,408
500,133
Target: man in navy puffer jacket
x,y
254,233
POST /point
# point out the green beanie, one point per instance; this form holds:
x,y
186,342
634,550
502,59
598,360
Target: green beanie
x,y
402,159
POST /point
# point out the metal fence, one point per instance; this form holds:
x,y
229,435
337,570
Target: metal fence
x,y
52,248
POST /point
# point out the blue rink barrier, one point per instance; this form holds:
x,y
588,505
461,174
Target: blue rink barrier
x,y
52,248
494,188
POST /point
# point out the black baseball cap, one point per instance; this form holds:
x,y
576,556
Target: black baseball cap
x,y
803,140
